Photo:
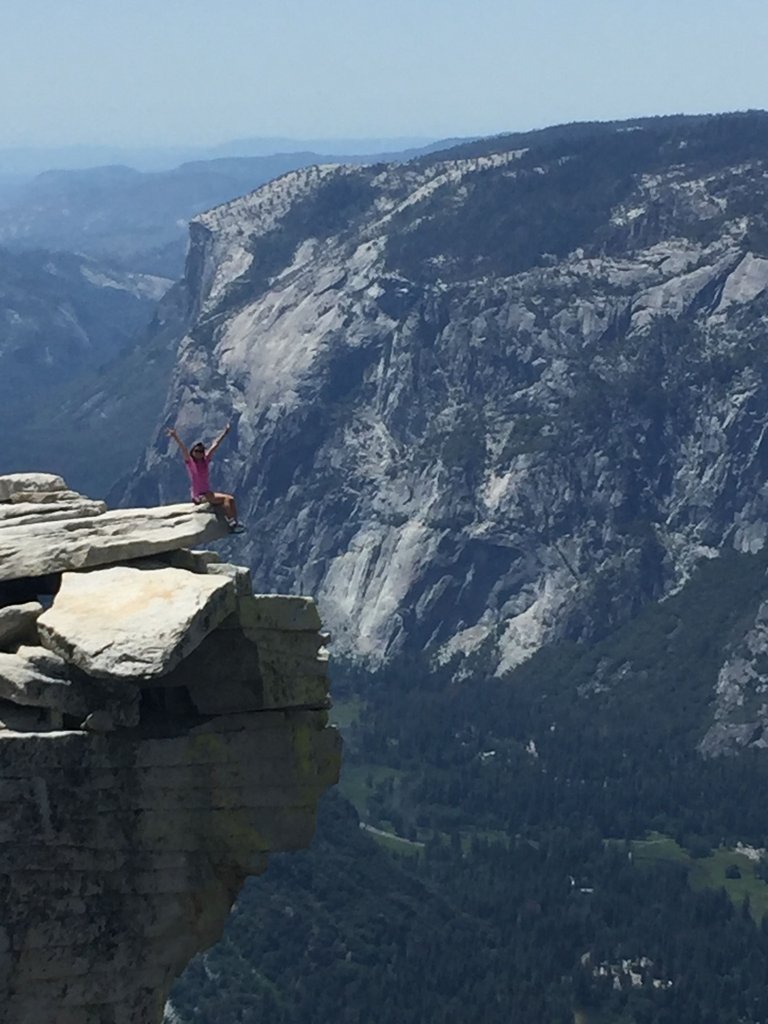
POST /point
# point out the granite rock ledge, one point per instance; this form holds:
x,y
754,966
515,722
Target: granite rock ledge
x,y
162,730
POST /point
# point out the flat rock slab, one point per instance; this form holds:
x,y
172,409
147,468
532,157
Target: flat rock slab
x,y
25,513
46,497
10,483
39,548
132,623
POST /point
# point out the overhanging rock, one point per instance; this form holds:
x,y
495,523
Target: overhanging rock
x,y
162,731
52,545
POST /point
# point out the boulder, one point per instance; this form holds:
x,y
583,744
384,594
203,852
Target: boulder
x,y
131,623
35,549
38,679
12,483
23,682
18,620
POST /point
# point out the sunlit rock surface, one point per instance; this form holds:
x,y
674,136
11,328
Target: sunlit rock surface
x,y
124,622
146,770
43,543
494,398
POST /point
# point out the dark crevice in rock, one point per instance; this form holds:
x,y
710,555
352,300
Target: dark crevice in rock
x,y
34,588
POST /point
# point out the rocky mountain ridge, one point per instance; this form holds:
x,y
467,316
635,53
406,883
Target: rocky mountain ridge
x,y
489,401
138,219
162,729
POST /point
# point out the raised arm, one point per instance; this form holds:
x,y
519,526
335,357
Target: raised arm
x,y
218,440
171,432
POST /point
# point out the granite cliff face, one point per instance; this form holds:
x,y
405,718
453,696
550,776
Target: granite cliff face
x,y
491,399
162,730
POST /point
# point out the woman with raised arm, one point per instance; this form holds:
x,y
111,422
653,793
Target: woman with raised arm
x,y
196,460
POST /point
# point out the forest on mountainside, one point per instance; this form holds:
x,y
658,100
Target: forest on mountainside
x,y
555,847
508,223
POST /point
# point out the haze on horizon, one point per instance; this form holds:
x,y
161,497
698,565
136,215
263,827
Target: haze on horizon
x,y
191,72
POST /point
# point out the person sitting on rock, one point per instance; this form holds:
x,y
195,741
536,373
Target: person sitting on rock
x,y
196,460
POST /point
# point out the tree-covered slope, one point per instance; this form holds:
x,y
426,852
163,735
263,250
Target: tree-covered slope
x,y
567,850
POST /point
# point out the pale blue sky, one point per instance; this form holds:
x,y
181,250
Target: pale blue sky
x,y
148,72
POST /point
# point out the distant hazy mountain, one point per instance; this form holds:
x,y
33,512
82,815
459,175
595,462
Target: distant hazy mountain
x,y
139,219
333,147
31,160
61,317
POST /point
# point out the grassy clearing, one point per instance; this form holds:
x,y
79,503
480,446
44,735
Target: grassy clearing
x,y
659,847
709,872
358,782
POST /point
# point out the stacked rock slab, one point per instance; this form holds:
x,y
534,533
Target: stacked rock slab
x,y
162,729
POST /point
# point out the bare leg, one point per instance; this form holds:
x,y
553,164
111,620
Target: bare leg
x,y
225,501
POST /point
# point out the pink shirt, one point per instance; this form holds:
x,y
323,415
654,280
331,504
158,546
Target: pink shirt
x,y
198,475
